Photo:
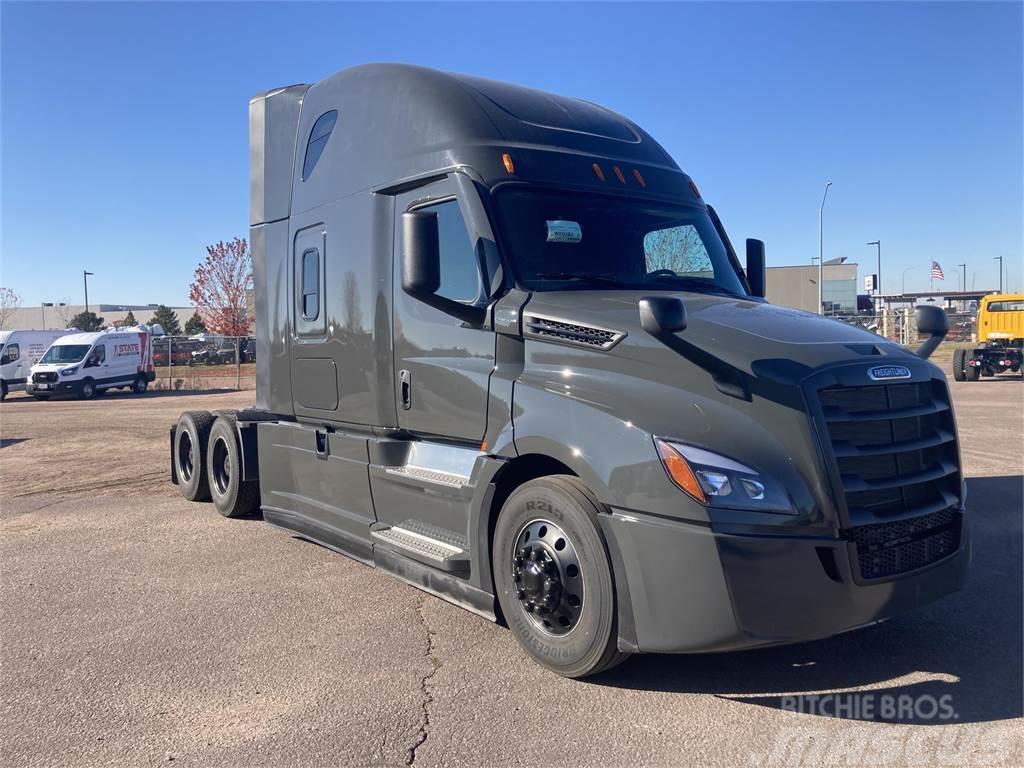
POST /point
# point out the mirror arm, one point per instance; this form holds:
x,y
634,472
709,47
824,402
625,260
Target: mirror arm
x,y
475,316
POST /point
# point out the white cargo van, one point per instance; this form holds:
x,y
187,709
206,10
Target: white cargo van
x,y
19,351
86,363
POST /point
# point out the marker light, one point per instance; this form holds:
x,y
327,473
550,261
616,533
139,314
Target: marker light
x,y
695,190
678,470
639,179
618,174
598,172
506,160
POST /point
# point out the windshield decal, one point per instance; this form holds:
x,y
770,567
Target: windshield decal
x,y
564,232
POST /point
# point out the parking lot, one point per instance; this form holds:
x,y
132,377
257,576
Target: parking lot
x,y
138,628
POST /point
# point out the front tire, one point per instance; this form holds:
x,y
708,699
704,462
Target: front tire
x,y
231,496
553,577
88,389
190,440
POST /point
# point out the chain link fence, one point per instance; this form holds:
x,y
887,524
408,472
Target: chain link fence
x,y
204,362
899,325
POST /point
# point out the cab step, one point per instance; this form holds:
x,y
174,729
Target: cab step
x,y
428,544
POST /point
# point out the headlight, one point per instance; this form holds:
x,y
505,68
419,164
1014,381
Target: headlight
x,y
718,481
69,371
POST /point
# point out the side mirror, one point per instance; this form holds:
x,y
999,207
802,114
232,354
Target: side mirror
x,y
662,314
932,321
421,254
756,271
421,267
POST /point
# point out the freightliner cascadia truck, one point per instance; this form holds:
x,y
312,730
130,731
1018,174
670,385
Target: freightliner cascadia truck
x,y
507,353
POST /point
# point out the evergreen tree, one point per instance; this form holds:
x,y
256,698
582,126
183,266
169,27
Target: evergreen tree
x,y
86,321
195,324
167,319
129,320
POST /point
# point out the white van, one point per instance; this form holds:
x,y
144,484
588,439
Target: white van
x,y
19,351
86,363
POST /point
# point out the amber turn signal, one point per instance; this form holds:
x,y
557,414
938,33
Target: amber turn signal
x,y
506,160
679,470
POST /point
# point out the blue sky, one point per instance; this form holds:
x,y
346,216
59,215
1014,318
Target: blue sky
x,y
124,125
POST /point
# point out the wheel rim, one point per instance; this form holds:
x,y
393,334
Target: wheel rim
x,y
87,389
186,456
548,580
221,466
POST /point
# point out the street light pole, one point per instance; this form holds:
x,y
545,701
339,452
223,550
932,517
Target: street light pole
x,y
821,256
85,280
878,245
1000,260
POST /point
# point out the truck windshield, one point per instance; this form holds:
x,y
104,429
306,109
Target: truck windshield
x,y
65,353
558,240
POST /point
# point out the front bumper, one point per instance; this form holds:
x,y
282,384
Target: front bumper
x,y
55,388
691,589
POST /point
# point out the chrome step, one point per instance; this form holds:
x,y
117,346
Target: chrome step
x,y
433,546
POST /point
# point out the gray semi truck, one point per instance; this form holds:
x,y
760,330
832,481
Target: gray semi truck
x,y
507,353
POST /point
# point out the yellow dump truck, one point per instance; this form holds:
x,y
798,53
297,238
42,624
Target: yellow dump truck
x,y
1000,339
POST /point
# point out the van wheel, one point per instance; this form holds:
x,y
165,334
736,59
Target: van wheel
x,y
139,387
88,389
190,440
3,391
553,577
231,496
959,364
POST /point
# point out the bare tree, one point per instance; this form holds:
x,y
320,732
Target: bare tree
x,y
63,310
222,283
679,249
9,302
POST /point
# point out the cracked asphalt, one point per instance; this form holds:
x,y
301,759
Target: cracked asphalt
x,y
139,629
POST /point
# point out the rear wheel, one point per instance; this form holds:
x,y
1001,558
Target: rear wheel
x,y
88,389
972,373
959,364
3,390
140,385
553,577
190,441
231,496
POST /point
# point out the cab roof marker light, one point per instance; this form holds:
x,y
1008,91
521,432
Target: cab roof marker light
x,y
598,172
618,174
639,179
506,160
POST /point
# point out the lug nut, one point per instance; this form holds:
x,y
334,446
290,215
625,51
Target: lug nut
x,y
534,555
520,594
529,607
549,584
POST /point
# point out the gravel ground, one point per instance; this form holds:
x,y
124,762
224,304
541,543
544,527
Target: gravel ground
x,y
140,629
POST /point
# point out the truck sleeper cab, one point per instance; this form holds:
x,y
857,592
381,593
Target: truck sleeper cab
x,y
508,354
87,364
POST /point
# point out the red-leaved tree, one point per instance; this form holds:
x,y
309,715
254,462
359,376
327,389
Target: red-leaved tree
x,y
222,282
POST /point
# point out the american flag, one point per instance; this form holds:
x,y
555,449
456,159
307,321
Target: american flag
x,y
937,271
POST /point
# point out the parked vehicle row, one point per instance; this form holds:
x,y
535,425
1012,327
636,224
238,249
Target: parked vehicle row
x,y
207,350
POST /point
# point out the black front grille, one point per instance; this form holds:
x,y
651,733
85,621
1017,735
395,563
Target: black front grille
x,y
895,449
48,376
889,549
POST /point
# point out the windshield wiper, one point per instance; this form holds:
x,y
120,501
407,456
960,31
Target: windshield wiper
x,y
582,276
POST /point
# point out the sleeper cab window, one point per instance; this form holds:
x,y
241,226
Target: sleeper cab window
x,y
318,140
310,284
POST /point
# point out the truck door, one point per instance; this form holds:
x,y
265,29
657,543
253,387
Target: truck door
x,y
442,364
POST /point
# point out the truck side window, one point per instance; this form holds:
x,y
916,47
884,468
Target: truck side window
x,y
311,284
12,353
318,140
460,273
98,355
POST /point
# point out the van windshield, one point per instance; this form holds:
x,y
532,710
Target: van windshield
x,y
558,241
65,353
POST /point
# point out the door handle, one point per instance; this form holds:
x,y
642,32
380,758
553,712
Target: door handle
x,y
405,384
321,444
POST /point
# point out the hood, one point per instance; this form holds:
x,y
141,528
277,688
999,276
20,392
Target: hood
x,y
745,335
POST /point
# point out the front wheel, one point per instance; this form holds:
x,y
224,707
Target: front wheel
x,y
88,389
553,577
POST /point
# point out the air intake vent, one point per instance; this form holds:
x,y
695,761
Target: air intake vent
x,y
571,333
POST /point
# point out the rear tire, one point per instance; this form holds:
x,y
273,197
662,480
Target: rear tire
x,y
140,385
190,441
972,373
553,577
231,496
959,364
3,391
